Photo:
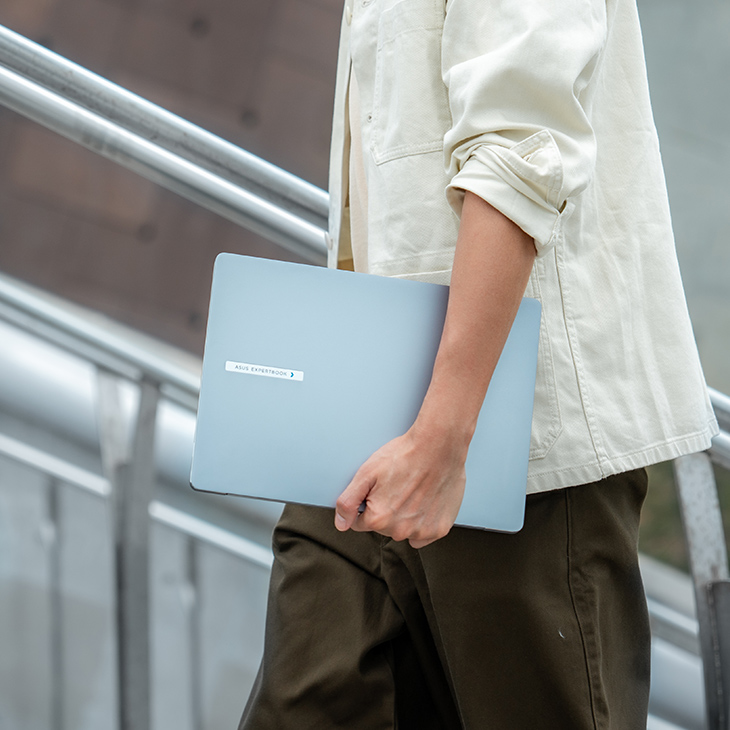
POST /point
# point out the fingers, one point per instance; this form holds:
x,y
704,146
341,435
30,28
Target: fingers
x,y
408,497
418,530
389,519
349,504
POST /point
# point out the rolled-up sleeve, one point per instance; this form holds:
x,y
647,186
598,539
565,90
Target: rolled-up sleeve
x,y
517,74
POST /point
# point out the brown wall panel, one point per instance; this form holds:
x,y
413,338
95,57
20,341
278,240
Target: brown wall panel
x,y
260,74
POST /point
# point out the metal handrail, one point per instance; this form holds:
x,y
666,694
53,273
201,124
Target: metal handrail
x,y
720,450
163,166
721,404
149,121
54,467
211,534
97,343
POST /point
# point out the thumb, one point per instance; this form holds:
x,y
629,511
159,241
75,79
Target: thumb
x,y
349,503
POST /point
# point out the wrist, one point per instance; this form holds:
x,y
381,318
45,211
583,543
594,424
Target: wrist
x,y
442,423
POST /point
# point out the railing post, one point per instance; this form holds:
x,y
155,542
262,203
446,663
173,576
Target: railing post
x,y
192,606
51,540
129,465
705,536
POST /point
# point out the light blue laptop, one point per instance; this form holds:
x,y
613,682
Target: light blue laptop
x,y
307,371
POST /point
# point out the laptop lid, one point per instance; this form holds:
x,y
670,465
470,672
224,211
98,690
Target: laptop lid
x,y
307,371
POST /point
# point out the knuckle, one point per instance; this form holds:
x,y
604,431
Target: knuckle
x,y
378,524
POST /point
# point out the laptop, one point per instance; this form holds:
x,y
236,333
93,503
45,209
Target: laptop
x,y
307,371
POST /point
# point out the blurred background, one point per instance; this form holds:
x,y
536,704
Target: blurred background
x,y
77,226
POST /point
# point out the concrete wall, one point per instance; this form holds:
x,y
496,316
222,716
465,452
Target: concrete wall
x,y
688,57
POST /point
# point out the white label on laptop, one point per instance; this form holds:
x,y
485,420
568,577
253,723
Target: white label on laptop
x,y
264,370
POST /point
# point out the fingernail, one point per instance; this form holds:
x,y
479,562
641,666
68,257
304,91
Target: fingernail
x,y
340,522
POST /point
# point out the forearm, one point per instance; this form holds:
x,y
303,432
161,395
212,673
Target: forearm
x,y
492,264
413,485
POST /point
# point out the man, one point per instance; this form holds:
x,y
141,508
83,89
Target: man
x,y
503,147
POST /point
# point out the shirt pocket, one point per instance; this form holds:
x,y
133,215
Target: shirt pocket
x,y
410,103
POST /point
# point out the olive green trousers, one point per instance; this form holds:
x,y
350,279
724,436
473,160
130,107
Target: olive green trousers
x,y
547,628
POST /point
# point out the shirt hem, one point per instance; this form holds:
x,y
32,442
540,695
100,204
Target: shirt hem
x,y
595,471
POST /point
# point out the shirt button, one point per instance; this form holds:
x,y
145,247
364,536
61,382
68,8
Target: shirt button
x,y
370,117
328,240
348,15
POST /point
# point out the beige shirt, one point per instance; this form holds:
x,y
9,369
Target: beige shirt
x,y
540,107
358,190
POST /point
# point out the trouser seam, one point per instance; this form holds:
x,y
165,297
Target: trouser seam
x,y
573,600
424,598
